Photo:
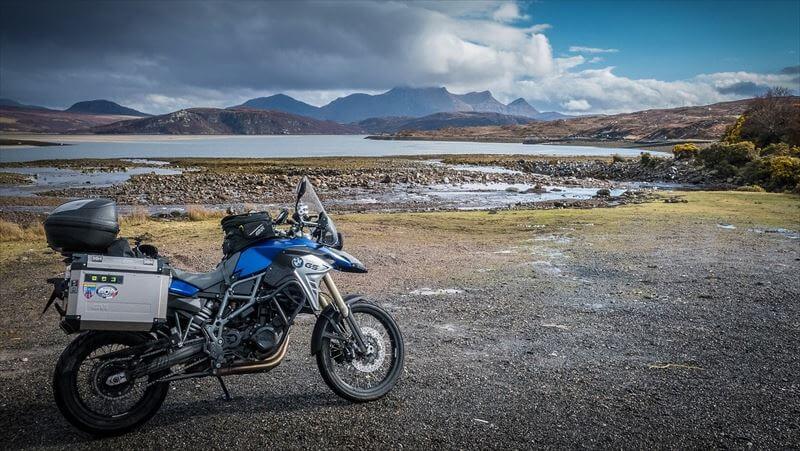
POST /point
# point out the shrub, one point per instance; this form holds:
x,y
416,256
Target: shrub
x,y
775,173
686,150
617,158
772,118
733,133
648,160
780,149
726,159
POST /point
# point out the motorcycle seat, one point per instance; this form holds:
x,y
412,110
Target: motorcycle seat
x,y
201,280
206,280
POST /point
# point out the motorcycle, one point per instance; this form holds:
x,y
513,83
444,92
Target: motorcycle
x,y
233,320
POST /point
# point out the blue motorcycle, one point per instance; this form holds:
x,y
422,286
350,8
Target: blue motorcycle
x,y
233,320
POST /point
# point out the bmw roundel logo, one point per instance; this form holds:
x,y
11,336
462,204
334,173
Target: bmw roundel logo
x,y
297,262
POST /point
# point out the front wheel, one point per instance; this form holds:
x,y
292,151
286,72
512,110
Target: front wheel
x,y
92,393
356,376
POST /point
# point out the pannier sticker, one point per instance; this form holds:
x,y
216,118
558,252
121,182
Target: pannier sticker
x,y
89,289
107,292
103,278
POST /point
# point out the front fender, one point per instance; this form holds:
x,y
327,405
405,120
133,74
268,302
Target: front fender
x,y
329,314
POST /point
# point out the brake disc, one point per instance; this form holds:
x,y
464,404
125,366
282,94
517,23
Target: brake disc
x,y
376,351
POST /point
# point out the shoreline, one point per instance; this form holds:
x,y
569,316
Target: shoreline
x,y
11,141
660,146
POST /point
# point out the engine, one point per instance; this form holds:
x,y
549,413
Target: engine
x,y
258,331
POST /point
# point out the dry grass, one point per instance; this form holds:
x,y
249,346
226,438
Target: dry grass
x,y
137,216
201,213
10,231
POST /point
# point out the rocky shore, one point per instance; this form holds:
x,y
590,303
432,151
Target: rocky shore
x,y
654,169
392,184
211,187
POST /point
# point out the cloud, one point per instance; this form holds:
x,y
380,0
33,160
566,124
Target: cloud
x,y
581,49
577,105
609,93
508,12
743,88
162,56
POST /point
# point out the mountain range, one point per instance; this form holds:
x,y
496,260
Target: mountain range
x,y
400,108
429,113
229,121
398,102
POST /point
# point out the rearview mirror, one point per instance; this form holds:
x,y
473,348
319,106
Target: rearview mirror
x,y
301,188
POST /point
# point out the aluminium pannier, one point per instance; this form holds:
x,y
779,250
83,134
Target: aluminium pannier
x,y
116,293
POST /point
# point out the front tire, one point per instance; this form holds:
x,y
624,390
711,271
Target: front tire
x,y
88,400
368,377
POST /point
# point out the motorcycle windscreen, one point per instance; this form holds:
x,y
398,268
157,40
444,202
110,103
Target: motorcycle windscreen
x,y
307,198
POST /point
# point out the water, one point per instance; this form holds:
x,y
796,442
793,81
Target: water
x,y
274,146
47,178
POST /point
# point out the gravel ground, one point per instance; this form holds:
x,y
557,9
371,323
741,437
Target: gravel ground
x,y
631,335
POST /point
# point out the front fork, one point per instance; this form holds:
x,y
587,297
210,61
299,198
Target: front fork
x,y
338,301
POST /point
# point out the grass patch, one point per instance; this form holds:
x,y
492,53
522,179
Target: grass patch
x,y
137,216
201,213
765,209
745,209
10,231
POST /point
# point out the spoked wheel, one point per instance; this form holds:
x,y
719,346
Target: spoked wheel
x,y
356,376
94,394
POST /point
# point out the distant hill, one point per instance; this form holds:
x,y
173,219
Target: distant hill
x,y
706,122
397,102
521,107
15,104
41,120
104,107
231,121
282,102
438,121
484,102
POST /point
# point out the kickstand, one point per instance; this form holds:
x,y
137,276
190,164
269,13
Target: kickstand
x,y
224,389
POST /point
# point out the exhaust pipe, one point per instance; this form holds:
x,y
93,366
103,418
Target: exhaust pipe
x,y
257,367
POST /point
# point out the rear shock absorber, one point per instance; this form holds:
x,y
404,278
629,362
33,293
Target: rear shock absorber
x,y
201,317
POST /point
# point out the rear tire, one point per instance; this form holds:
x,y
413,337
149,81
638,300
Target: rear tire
x,y
71,370
389,347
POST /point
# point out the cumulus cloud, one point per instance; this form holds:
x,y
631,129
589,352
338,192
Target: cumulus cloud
x,y
581,49
159,57
577,105
508,12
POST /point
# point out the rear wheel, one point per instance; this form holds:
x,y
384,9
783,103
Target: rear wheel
x,y
361,377
93,393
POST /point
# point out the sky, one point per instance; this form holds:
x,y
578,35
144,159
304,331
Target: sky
x,y
576,57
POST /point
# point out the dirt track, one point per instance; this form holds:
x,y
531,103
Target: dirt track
x,y
615,328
